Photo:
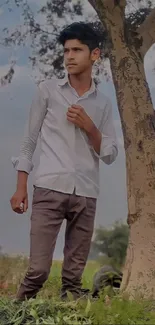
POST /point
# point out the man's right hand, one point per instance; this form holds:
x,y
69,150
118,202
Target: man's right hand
x,y
19,201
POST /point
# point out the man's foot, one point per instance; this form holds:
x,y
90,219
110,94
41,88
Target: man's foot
x,y
76,294
17,301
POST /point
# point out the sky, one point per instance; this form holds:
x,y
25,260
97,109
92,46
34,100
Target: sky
x,y
15,100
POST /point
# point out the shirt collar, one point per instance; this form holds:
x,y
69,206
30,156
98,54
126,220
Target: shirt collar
x,y
65,80
62,82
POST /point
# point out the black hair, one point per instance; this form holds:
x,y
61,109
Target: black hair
x,y
81,31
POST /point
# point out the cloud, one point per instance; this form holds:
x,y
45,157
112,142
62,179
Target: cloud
x,y
150,58
149,64
1,11
37,2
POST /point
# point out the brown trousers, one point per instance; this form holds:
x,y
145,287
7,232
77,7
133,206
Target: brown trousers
x,y
49,209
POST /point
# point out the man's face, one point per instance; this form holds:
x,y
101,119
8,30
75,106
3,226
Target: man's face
x,y
77,56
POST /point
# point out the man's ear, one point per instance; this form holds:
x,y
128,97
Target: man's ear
x,y
95,54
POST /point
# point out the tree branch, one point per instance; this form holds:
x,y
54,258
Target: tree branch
x,y
104,8
147,33
96,4
92,3
115,3
8,77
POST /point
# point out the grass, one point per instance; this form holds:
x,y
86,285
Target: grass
x,y
49,309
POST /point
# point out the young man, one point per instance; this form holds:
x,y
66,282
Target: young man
x,y
74,121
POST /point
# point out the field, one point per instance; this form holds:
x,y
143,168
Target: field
x,y
49,309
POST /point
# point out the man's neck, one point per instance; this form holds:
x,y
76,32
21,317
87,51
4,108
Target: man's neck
x,y
81,83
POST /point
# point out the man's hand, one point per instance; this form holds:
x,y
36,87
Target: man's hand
x,y
77,115
19,201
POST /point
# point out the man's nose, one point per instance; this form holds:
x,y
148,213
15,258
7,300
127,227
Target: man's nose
x,y
70,55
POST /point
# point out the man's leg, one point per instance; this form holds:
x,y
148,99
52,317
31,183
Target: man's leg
x,y
79,231
48,213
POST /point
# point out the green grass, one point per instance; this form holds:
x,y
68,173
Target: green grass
x,y
49,309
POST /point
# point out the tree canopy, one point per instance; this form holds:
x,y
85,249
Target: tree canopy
x,y
41,29
111,244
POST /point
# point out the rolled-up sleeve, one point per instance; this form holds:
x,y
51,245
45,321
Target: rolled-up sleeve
x,y
109,147
37,113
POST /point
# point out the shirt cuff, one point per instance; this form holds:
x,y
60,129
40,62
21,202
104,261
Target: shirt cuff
x,y
108,149
22,164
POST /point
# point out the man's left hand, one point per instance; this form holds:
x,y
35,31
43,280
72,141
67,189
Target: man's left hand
x,y
77,115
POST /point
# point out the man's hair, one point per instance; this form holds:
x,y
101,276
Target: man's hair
x,y
81,31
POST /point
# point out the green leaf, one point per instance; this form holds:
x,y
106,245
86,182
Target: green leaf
x,y
88,307
34,314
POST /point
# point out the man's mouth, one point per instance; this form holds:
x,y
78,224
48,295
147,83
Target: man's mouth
x,y
71,65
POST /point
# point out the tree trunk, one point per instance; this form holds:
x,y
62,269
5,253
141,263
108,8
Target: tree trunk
x,y
138,124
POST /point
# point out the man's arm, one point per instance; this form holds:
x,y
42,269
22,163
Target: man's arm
x,y
103,140
95,138
36,116
23,164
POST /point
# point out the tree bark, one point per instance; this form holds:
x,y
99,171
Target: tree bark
x,y
147,32
138,125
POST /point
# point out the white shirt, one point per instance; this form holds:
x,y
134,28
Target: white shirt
x,y
67,160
